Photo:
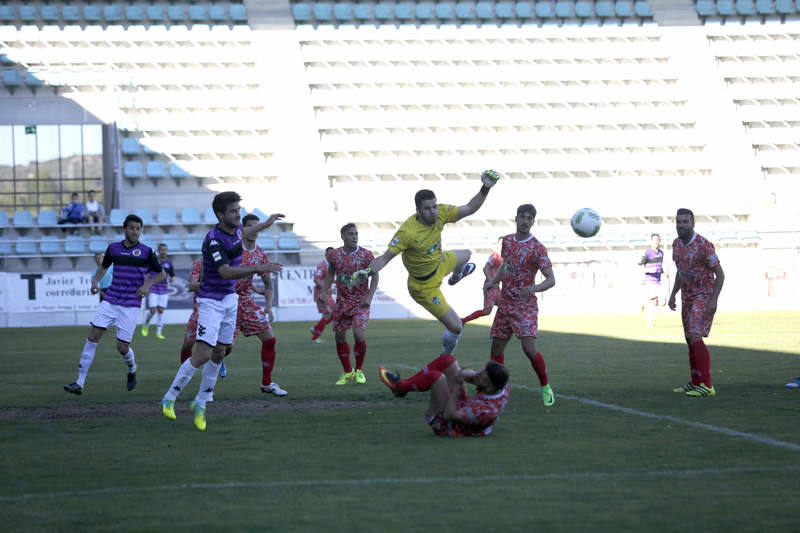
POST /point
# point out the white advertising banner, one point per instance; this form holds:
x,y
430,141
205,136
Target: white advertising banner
x,y
26,292
296,287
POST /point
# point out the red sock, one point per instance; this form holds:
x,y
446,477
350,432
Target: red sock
x,y
440,364
537,362
498,358
360,351
421,381
185,354
319,327
693,372
343,349
702,359
267,360
473,316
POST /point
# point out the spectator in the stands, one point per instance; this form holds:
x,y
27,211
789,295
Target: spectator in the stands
x,y
73,213
95,214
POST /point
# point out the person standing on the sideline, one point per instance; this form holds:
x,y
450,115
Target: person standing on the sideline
x,y
159,295
352,302
518,310
653,263
216,302
490,296
699,277
251,319
105,281
322,297
419,240
451,413
122,299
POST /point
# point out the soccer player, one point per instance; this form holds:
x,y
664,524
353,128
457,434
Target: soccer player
x,y
216,302
352,302
159,295
322,297
419,240
451,413
123,298
518,310
490,296
653,263
251,319
191,327
699,277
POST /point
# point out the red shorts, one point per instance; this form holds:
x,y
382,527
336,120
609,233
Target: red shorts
x,y
346,316
515,319
326,306
491,297
191,327
693,314
250,317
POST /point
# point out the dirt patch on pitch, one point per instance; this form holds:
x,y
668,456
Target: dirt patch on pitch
x,y
138,410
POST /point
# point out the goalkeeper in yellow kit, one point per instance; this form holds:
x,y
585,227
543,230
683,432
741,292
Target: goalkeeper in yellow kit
x,y
419,240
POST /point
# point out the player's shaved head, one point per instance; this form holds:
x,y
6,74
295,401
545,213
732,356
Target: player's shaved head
x,y
684,211
422,195
527,209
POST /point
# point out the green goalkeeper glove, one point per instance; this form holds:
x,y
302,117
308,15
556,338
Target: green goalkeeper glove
x,y
489,178
359,276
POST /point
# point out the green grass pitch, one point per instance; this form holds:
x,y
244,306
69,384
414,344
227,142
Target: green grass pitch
x,y
618,451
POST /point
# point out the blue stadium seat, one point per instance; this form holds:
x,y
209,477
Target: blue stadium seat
x,y
745,7
112,13
27,13
725,8
133,13
32,80
190,215
705,8
176,13
47,217
98,244
148,239
343,11
49,13
784,7
3,219
384,11
504,10
362,11
5,247
265,241
322,12
545,10
146,214
444,12
91,13
584,9
50,245
484,10
565,10
131,146
155,13
25,246
238,13
642,9
167,216
301,12
172,241
23,219
117,216
177,171
11,78
7,13
403,11
5,60
288,240
70,13
74,244
424,11
132,169
156,169
604,9
197,13
209,217
193,242
765,7
464,11
216,13
623,9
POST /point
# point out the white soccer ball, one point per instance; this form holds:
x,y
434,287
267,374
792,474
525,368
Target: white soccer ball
x,y
586,222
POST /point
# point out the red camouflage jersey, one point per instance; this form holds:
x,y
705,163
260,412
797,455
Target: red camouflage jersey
x,y
196,274
521,261
694,262
253,257
479,412
343,265
319,275
494,263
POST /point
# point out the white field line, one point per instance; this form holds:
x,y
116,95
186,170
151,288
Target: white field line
x,y
700,425
400,481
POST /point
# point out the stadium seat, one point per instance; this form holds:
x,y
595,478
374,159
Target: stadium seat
x,y
197,13
25,246
176,13
112,13
155,169
177,171
642,9
134,13
403,11
5,247
47,217
362,12
216,13
384,11
725,8
504,10
166,216
765,7
148,239
484,10
91,13
23,219
117,216
322,12
266,241
27,13
98,244
288,240
545,10
784,7
464,10
172,241
745,7
11,78
155,13
604,9
209,217
565,10
705,8
50,245
301,12
32,80
74,244
444,11
193,242
424,11
190,215
584,9
131,146
70,13
343,11
3,219
5,60
132,169
7,13
146,214
238,13
623,9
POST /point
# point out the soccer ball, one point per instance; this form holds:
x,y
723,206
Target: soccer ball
x,y
586,222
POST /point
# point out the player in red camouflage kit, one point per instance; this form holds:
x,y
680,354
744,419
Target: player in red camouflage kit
x,y
490,296
352,302
322,297
190,336
518,310
699,278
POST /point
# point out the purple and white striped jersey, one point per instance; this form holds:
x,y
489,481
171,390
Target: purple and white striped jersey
x,y
130,268
219,248
161,287
653,262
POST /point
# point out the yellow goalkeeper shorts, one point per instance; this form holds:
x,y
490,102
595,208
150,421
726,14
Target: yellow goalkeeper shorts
x,y
428,292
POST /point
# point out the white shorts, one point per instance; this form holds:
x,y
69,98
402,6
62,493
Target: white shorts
x,y
125,318
157,300
216,319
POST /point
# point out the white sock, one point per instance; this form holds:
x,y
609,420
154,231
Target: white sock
x,y
182,378
159,323
449,341
210,373
87,356
130,361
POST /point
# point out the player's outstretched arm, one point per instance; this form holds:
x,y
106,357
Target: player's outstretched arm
x,y
488,180
249,231
227,271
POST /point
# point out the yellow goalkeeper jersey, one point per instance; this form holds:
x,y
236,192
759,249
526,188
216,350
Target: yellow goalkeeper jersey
x,y
421,245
